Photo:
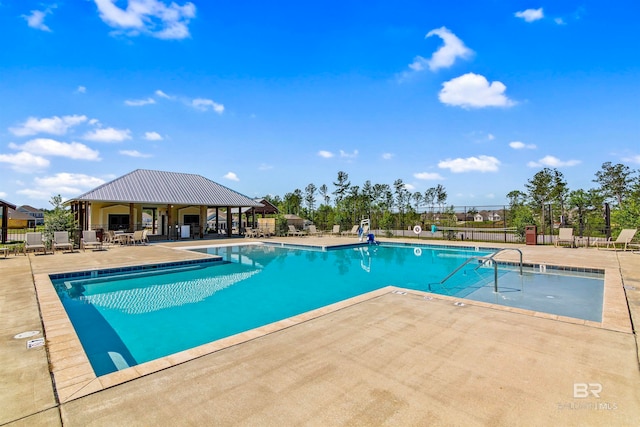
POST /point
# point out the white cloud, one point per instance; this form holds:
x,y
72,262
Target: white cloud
x,y
108,135
206,104
36,20
428,176
419,63
139,102
39,194
51,147
53,125
325,154
518,145
3,194
152,136
81,89
409,187
632,159
479,164
231,176
452,49
387,156
553,162
134,153
559,21
265,167
530,15
24,162
444,57
491,137
161,94
474,91
349,155
63,183
152,17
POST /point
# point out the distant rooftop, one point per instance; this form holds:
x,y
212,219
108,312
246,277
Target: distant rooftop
x,y
29,209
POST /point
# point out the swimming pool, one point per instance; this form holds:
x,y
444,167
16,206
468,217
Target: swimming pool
x,y
128,316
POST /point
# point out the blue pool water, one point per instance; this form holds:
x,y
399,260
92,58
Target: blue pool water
x,y
130,316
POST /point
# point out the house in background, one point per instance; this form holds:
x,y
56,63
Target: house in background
x,y
37,214
19,219
494,216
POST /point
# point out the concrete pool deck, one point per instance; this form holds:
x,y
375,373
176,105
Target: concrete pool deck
x,y
383,358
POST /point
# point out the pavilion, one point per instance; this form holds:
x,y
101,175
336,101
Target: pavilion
x,y
175,201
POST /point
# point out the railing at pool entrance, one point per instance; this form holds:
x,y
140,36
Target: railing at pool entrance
x,y
482,261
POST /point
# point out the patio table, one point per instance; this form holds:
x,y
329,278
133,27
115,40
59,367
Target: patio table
x,y
124,238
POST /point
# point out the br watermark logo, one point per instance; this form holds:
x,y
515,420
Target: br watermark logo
x,y
582,390
588,391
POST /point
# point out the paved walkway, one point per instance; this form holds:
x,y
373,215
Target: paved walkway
x,y
380,359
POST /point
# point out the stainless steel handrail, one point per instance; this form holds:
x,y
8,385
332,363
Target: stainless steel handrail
x,y
482,261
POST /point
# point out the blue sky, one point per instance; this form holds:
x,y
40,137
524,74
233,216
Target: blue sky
x,y
267,97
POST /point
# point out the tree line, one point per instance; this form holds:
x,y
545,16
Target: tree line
x,y
546,201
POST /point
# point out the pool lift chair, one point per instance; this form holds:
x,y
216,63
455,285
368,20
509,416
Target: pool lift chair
x,y
363,231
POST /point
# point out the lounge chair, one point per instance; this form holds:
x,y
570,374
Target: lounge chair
x,y
336,230
61,241
313,231
34,242
565,235
110,238
250,233
4,250
264,232
293,231
352,232
90,240
623,239
140,237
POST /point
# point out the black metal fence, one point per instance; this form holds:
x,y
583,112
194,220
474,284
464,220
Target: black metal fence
x,y
480,231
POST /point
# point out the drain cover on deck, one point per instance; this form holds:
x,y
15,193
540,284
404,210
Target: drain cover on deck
x,y
26,334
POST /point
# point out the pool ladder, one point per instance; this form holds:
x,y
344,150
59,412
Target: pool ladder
x,y
482,261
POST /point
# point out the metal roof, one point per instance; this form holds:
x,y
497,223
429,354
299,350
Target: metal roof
x,y
158,187
11,205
